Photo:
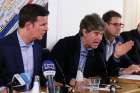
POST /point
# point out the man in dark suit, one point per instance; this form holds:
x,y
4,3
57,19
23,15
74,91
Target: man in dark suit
x,y
134,35
20,52
111,42
79,55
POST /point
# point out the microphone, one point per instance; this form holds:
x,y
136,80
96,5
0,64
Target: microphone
x,y
105,79
48,69
61,72
20,82
64,87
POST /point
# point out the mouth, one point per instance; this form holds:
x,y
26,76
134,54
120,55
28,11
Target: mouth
x,y
96,43
43,34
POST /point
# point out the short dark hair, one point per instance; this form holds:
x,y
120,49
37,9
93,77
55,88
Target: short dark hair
x,y
92,22
108,15
30,12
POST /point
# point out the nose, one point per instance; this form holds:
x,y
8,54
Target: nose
x,y
119,29
46,28
100,37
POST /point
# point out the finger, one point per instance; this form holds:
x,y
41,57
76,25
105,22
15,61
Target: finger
x,y
130,43
72,82
119,43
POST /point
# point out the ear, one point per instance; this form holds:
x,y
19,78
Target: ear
x,y
28,26
138,27
84,32
106,25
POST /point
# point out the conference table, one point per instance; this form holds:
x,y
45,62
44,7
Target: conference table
x,y
126,86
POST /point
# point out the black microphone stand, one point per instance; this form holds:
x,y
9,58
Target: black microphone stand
x,y
64,88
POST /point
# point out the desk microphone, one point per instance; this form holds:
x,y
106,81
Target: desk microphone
x,y
105,79
47,56
48,69
20,82
61,72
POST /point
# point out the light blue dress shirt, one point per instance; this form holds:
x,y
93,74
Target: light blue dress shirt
x,y
27,56
83,57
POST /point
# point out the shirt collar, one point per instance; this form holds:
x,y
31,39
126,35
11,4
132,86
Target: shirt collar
x,y
83,48
109,43
21,42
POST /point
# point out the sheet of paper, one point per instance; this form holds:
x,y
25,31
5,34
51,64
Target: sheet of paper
x,y
131,77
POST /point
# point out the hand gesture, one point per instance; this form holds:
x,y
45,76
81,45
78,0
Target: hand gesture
x,y
122,48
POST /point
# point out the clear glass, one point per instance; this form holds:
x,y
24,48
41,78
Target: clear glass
x,y
94,83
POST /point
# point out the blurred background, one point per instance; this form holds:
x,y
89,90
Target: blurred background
x,y
65,15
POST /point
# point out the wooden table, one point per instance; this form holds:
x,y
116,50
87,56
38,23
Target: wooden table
x,y
127,86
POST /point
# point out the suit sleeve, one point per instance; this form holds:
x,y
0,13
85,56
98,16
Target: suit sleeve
x,y
2,70
59,53
113,66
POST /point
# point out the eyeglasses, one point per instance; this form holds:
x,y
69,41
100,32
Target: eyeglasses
x,y
117,24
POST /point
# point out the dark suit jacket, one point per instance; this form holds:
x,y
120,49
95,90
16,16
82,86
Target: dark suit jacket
x,y
134,53
67,54
124,61
11,61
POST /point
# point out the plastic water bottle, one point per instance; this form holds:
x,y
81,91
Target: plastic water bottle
x,y
36,85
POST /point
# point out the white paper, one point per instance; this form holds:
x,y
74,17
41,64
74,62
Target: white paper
x,y
131,77
79,76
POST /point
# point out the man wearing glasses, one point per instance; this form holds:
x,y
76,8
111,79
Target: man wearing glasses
x,y
113,44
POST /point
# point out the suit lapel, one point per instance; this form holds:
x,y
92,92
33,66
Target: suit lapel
x,y
37,58
76,49
17,54
102,48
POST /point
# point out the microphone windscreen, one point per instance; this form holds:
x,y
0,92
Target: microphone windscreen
x,y
48,68
20,79
20,82
17,81
26,78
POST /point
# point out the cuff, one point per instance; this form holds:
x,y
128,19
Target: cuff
x,y
121,71
2,88
116,58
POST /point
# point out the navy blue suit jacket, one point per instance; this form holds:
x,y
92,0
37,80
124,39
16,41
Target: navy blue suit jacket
x,y
11,61
123,62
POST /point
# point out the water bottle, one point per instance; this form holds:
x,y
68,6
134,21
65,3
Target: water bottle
x,y
36,85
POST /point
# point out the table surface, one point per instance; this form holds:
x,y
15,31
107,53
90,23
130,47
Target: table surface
x,y
126,86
